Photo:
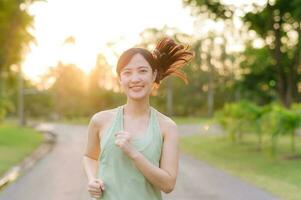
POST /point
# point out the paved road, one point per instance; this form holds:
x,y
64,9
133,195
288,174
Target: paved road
x,y
60,175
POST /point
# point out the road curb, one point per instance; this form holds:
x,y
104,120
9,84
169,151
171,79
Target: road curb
x,y
28,162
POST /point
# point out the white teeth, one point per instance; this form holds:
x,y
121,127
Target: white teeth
x,y
137,87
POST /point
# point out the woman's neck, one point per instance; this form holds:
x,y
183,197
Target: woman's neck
x,y
136,109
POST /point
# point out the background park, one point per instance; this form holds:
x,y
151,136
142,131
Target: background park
x,y
239,116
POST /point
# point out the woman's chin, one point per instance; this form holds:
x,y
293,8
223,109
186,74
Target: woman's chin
x,y
137,96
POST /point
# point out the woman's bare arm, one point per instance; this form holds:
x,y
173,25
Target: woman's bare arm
x,y
92,149
165,176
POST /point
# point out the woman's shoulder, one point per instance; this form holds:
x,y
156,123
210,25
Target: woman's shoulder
x,y
101,117
166,123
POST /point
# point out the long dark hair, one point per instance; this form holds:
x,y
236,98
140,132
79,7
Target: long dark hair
x,y
167,58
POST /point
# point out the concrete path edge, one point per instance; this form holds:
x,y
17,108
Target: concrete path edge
x,y
28,162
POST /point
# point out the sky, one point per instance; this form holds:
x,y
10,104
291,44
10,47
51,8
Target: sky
x,y
94,23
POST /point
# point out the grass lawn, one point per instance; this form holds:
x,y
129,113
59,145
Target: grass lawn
x,y
78,120
15,144
190,120
278,176
178,120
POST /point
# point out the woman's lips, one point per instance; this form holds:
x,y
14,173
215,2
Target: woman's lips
x,y
136,88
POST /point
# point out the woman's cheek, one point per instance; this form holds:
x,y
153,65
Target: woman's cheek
x,y
124,84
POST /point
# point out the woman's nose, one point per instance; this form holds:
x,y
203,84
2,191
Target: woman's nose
x,y
135,77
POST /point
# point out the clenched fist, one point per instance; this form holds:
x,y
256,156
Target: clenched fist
x,y
96,188
123,141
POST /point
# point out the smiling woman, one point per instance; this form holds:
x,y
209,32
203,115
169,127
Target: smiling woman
x,y
132,151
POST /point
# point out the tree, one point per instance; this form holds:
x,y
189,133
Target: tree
x,y
100,89
69,90
14,38
277,24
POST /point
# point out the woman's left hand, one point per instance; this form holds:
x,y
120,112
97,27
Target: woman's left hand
x,y
123,141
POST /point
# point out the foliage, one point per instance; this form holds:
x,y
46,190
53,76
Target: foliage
x,y
274,24
273,120
15,37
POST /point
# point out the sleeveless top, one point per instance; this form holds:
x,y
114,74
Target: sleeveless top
x,y
122,179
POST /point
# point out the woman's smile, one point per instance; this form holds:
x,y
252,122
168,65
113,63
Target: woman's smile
x,y
136,88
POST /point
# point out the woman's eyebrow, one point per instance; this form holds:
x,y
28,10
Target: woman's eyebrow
x,y
127,68
142,67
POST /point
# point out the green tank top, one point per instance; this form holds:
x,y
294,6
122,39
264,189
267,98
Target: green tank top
x,y
122,179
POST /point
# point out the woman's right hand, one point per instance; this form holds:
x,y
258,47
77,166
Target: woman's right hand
x,y
96,188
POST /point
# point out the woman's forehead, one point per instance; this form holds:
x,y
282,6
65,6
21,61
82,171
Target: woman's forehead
x,y
137,61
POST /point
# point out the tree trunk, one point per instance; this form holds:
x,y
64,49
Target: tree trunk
x,y
210,93
21,98
293,73
210,97
281,81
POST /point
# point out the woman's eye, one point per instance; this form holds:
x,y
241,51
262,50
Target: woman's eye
x,y
143,70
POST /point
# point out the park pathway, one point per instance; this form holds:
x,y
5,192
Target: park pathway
x,y
60,175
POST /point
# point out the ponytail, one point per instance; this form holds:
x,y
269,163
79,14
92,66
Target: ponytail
x,y
169,58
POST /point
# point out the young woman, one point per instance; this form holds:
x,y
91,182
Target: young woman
x,y
132,151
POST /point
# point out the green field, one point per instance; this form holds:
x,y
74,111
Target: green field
x,y
178,120
279,176
190,120
15,144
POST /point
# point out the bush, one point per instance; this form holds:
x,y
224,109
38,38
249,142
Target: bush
x,y
273,120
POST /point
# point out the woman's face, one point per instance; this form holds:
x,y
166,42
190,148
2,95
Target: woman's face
x,y
137,78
